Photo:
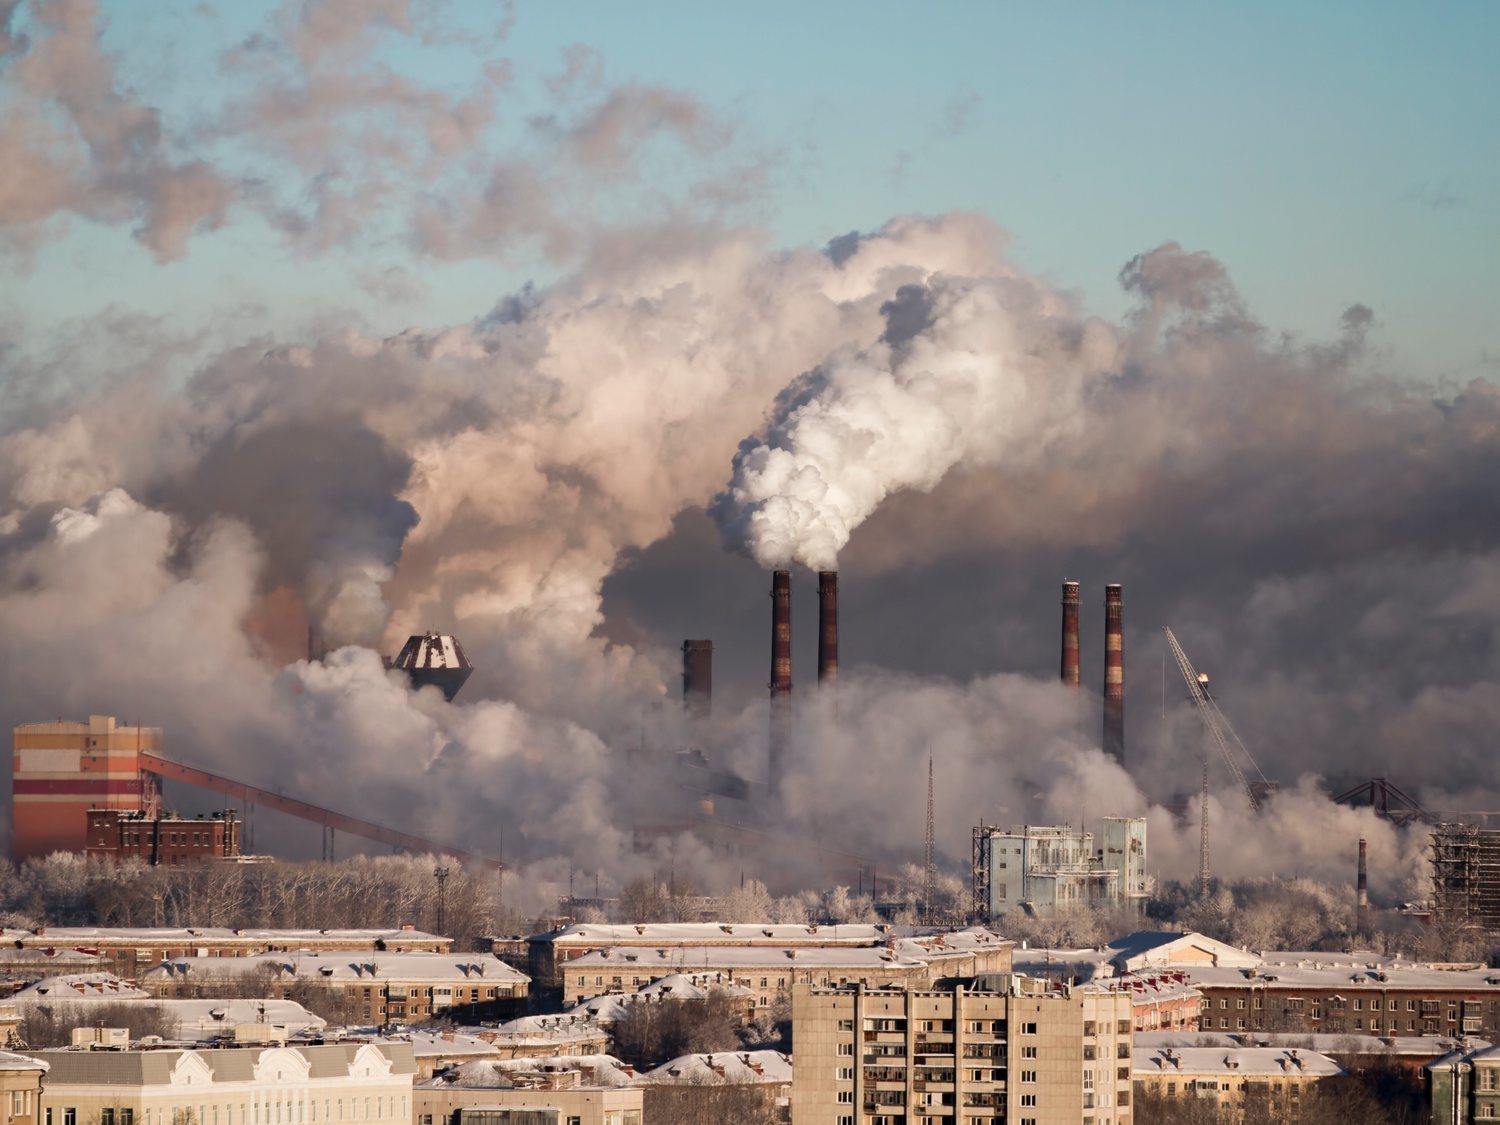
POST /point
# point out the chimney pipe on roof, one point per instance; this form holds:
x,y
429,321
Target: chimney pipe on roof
x,y
828,627
781,668
1114,672
698,677
1362,894
1070,634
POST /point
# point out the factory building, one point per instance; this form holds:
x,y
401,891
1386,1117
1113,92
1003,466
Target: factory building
x,y
168,841
1466,874
995,1048
1045,870
61,770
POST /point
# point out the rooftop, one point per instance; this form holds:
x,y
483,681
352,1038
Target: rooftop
x,y
1274,1062
725,1066
467,968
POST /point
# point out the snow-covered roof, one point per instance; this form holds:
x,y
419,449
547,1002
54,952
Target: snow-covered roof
x,y
79,986
597,1070
574,1025
1156,949
609,1007
776,934
447,1044
1241,1062
205,1019
747,957
725,1066
1419,1046
208,935
1347,976
9,1060
470,969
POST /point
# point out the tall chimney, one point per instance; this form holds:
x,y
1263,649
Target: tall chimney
x,y
698,677
1070,634
1362,894
781,668
1114,672
828,627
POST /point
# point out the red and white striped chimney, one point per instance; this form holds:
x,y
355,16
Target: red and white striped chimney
x,y
781,669
1070,634
1114,672
828,627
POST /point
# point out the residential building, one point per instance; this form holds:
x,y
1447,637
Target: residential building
x,y
1046,869
578,1090
1465,1086
1000,1048
920,957
315,1085
609,1007
129,951
1232,1078
21,1088
376,988
574,1032
159,840
767,1073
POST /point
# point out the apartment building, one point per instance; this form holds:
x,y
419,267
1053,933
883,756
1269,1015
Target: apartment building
x,y
1000,1048
376,988
1232,1078
129,951
21,1088
315,1085
1464,1086
770,971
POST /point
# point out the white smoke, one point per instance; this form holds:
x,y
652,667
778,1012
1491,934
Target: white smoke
x,y
985,371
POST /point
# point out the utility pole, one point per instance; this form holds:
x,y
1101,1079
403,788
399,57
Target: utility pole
x,y
441,873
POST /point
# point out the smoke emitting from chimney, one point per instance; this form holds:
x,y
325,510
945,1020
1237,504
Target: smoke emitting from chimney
x,y
1070,674
1114,672
828,627
698,677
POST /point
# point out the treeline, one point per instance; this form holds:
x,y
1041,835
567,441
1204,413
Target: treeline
x,y
357,893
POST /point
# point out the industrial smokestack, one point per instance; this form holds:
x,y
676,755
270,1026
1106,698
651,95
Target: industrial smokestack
x,y
781,668
828,627
1070,634
1362,894
698,677
1114,672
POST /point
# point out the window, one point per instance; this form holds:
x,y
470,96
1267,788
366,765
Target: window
x,y
846,1096
845,1074
127,1117
1028,1100
844,1049
107,1117
1028,1052
70,1116
1028,1076
1028,1029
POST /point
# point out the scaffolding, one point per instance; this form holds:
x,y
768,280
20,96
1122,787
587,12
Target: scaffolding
x,y
1466,874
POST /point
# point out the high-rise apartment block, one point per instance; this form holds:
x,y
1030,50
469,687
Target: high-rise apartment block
x,y
1045,869
996,1049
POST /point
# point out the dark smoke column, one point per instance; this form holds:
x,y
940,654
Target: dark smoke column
x,y
781,670
1114,672
698,677
1070,634
828,627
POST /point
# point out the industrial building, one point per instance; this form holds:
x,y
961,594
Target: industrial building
x,y
63,769
996,1048
1044,870
1466,874
168,841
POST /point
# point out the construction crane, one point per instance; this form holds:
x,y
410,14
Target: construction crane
x,y
1223,736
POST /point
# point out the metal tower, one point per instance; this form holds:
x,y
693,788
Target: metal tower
x,y
929,871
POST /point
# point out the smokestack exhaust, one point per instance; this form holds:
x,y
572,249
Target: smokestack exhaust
x,y
1362,893
781,669
698,677
1070,634
828,627
1114,672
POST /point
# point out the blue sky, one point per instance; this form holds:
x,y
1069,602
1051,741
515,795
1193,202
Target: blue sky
x,y
1327,153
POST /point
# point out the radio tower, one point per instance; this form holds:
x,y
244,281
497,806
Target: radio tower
x,y
929,872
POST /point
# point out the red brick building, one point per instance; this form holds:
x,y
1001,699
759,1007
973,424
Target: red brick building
x,y
167,840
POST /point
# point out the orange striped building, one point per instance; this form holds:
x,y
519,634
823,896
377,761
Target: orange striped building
x,y
62,770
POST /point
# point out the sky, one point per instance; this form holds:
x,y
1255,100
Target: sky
x,y
1327,153
557,325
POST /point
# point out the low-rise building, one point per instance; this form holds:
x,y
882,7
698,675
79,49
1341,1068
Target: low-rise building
x,y
609,1007
21,1088
577,1090
1047,869
317,1085
130,950
157,839
694,1079
574,1032
1465,1086
375,988
1000,1048
1232,1078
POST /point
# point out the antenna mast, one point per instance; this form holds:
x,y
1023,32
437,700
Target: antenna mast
x,y
928,869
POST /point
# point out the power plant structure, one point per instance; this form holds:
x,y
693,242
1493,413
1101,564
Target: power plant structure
x,y
1362,893
1114,672
435,660
1070,669
828,627
781,673
698,677
1466,875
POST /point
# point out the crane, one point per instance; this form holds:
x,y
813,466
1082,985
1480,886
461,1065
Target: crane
x,y
1228,742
